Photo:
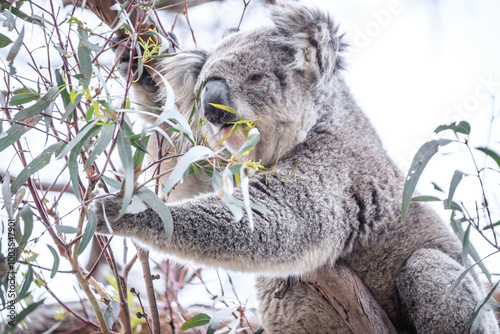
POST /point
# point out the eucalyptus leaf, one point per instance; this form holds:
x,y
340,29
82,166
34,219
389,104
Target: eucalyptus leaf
x,y
462,127
64,229
254,137
482,308
4,41
14,50
79,136
112,182
196,153
23,314
490,153
7,195
125,152
55,265
424,154
28,279
27,216
218,318
111,313
89,231
105,138
457,177
425,199
159,207
465,246
84,58
40,106
198,320
34,166
23,98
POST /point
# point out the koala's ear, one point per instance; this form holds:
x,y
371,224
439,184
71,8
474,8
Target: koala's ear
x,y
182,71
312,35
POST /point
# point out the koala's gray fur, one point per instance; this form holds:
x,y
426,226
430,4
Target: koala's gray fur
x,y
343,201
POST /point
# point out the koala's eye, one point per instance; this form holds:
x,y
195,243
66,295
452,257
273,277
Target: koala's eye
x,y
254,78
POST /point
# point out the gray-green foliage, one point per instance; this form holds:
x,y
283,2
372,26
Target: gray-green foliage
x,y
483,217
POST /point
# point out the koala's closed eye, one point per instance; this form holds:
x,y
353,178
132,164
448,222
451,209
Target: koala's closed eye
x,y
254,78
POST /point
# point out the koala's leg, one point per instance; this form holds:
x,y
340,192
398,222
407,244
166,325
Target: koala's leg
x,y
422,283
302,310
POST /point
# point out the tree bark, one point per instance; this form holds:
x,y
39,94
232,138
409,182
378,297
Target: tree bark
x,y
350,297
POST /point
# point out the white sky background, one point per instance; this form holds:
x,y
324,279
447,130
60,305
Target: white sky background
x,y
414,65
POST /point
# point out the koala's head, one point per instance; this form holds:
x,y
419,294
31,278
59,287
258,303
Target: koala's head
x,y
276,75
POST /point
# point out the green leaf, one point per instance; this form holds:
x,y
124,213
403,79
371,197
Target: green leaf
x,y
103,142
225,108
125,152
438,188
111,313
72,160
26,18
7,195
424,154
155,203
88,233
259,331
61,85
112,182
40,106
23,98
135,140
254,137
14,50
481,308
64,229
139,154
462,127
198,320
34,166
55,266
490,153
84,58
196,153
494,225
20,317
26,284
465,246
457,177
4,41
14,133
218,318
425,199
79,136
27,216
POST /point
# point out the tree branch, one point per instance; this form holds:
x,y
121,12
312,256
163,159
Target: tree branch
x,y
350,297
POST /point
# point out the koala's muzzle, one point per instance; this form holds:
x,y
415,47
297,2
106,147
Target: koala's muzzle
x,y
217,92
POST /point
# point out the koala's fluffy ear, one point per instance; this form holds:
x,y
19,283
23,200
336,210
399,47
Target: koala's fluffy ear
x,y
182,71
312,35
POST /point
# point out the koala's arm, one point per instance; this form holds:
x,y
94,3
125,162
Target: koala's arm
x,y
294,238
146,89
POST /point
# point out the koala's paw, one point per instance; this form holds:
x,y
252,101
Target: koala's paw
x,y
123,56
110,206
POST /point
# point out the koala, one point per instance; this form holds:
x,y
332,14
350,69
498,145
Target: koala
x,y
342,202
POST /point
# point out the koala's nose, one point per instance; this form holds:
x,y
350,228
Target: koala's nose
x,y
217,92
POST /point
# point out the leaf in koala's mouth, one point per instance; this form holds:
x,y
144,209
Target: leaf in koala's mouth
x,y
235,134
